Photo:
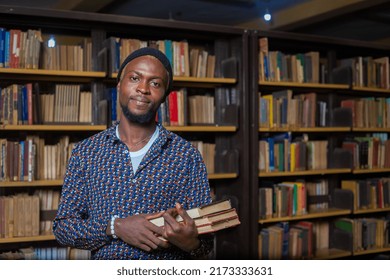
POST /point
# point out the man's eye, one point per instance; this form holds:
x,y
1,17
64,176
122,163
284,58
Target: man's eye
x,y
156,84
133,78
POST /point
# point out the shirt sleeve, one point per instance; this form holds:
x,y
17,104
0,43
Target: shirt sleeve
x,y
72,225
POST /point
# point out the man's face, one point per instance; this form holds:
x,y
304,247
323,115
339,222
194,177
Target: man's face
x,y
142,88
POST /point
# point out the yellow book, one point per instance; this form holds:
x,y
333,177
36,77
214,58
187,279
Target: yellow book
x,y
292,156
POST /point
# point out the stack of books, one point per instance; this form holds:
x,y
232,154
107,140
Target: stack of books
x,y
209,218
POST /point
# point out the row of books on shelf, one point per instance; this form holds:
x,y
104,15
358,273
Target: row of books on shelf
x,y
186,60
20,104
31,50
68,57
292,198
277,66
362,234
284,109
367,71
371,193
281,152
24,215
369,112
368,152
46,253
34,159
66,104
292,241
301,197
207,150
31,159
280,109
20,49
310,67
307,240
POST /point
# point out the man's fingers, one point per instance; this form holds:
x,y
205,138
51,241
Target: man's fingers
x,y
183,213
154,215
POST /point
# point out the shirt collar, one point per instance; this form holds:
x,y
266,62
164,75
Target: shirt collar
x,y
164,136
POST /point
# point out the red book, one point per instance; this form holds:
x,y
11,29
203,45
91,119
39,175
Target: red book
x,y
309,226
14,47
173,108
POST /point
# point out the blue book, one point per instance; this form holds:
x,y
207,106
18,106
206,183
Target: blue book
x,y
7,38
2,46
113,93
286,228
24,105
266,70
270,141
169,51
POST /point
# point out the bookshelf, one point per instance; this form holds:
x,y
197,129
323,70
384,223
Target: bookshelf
x,y
331,86
229,180
336,81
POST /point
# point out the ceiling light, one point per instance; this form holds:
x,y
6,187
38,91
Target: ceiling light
x,y
267,16
51,43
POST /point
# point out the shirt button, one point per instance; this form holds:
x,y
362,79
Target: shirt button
x,y
127,151
134,181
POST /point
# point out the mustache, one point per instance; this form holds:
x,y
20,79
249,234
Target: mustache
x,y
139,98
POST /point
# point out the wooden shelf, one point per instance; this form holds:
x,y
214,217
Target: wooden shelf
x,y
314,215
53,127
27,239
370,129
374,170
305,85
367,211
42,72
216,176
305,172
367,89
205,80
36,183
371,251
332,253
202,128
306,129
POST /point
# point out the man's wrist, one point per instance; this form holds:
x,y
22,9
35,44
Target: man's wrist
x,y
112,226
200,251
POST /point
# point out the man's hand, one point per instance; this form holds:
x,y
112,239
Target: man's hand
x,y
137,231
181,234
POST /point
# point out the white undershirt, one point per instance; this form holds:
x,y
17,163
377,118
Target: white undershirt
x,y
136,157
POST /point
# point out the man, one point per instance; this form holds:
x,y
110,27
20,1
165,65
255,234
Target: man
x,y
119,179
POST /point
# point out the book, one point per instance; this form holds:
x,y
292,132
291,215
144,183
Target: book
x,y
198,212
217,226
212,219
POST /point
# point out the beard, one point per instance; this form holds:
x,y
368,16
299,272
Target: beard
x,y
141,119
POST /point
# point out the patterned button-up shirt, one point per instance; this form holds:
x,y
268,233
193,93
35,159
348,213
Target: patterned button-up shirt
x,y
100,183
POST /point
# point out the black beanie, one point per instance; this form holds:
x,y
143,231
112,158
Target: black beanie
x,y
153,52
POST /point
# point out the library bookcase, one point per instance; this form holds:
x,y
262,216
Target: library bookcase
x,y
228,88
319,173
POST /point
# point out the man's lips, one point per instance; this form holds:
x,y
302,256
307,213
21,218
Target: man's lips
x,y
139,100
